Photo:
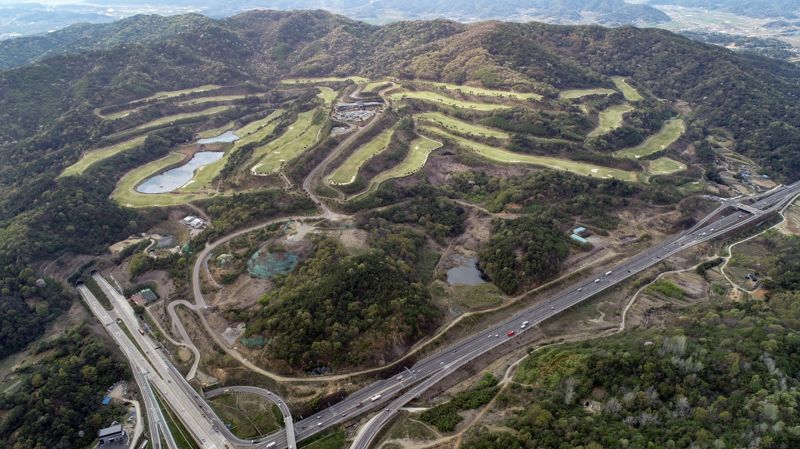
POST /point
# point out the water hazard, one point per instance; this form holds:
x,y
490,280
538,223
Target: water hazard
x,y
226,137
176,177
465,274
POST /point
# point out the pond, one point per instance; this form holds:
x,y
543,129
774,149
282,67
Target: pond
x,y
465,274
176,177
226,137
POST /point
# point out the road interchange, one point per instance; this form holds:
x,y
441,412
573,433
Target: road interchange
x,y
393,393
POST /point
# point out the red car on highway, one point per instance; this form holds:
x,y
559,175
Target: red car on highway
x,y
510,333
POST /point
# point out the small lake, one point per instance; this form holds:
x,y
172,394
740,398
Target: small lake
x,y
176,177
465,274
226,137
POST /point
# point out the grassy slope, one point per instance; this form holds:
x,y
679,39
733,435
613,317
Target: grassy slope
x,y
460,126
418,153
665,166
163,121
508,157
480,91
574,94
666,136
627,90
444,100
299,137
200,100
347,172
329,79
92,157
125,193
611,119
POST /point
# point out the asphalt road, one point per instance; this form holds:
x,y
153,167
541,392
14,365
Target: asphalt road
x,y
270,396
439,365
210,432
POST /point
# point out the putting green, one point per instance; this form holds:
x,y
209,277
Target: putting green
x,y
434,97
508,157
125,193
664,166
92,157
347,172
483,92
611,119
666,136
328,79
418,152
574,94
627,90
460,126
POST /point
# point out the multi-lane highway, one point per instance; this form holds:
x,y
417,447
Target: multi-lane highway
x,y
389,395
439,365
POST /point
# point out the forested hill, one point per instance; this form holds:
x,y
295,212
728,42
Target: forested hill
x,y
84,36
46,108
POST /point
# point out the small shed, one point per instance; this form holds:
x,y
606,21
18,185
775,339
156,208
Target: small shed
x,y
579,239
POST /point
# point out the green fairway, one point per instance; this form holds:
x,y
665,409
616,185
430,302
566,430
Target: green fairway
x,y
328,79
125,193
298,137
417,155
215,131
301,135
433,97
508,157
664,166
483,92
574,94
460,126
177,93
94,156
116,115
347,172
672,131
627,90
164,121
372,87
252,132
611,119
200,100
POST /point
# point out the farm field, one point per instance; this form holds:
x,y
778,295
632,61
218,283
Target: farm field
x,y
434,97
671,131
416,158
347,172
627,90
664,166
125,193
508,157
574,94
610,119
481,91
92,157
460,126
329,79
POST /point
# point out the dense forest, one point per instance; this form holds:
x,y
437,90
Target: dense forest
x,y
57,405
721,375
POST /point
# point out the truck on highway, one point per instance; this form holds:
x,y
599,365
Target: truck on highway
x,y
270,444
141,331
608,273
375,398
